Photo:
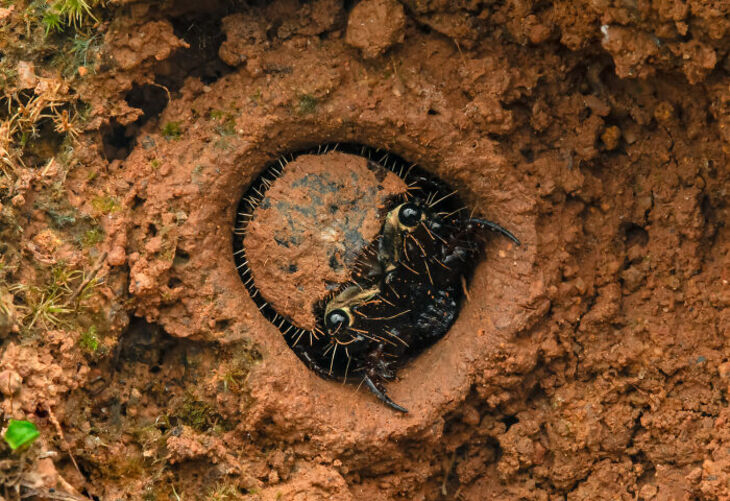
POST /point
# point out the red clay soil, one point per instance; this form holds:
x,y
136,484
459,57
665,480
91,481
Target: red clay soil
x,y
592,362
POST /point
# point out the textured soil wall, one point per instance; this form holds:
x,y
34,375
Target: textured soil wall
x,y
592,362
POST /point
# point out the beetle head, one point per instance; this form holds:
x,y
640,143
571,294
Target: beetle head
x,y
339,314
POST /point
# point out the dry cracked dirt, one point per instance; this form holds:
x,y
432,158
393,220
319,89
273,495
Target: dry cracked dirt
x,y
591,362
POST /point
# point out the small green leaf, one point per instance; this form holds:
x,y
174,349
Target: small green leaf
x,y
20,433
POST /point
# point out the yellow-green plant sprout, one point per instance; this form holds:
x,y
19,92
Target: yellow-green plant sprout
x,y
20,434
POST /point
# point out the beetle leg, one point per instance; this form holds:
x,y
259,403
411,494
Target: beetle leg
x,y
494,227
383,396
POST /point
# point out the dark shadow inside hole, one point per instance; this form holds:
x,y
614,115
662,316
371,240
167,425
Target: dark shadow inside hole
x,y
204,35
509,421
221,325
151,99
118,140
181,257
152,230
137,202
116,143
528,154
174,282
142,342
635,235
708,211
41,412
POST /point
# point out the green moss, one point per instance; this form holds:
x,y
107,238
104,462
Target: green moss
x,y
307,104
60,14
172,130
238,369
225,122
224,492
92,237
105,204
89,340
83,50
60,219
197,414
52,21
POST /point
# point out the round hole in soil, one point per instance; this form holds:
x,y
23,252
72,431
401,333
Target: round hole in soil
x,y
360,259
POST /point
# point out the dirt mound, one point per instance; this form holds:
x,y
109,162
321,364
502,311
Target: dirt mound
x,y
592,362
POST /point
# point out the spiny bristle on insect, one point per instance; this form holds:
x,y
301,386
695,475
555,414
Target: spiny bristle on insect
x,y
443,198
347,367
263,306
386,301
329,347
446,215
300,333
429,198
332,362
408,171
428,271
397,337
244,263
